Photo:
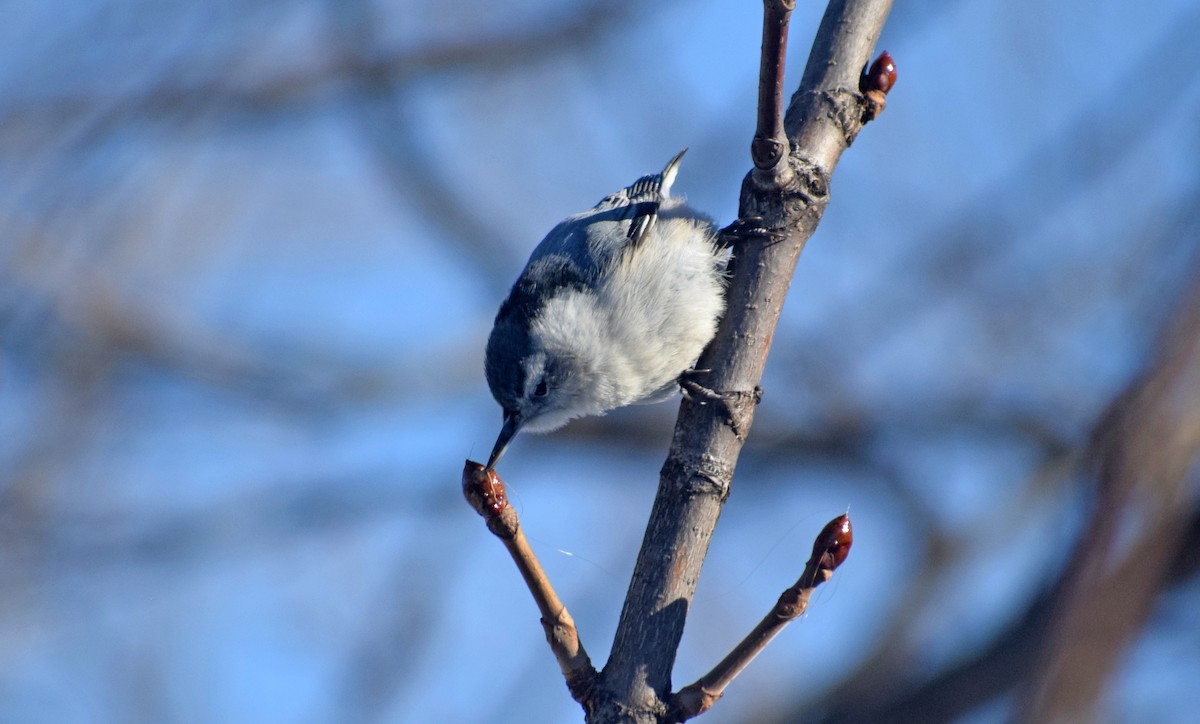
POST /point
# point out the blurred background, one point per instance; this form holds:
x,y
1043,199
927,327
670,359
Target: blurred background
x,y
250,253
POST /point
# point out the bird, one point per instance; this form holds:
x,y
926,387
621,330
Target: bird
x,y
614,305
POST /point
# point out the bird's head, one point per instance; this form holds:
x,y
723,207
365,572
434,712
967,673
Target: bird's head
x,y
539,382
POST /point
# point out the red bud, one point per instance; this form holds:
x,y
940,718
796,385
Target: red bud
x,y
881,76
833,542
483,489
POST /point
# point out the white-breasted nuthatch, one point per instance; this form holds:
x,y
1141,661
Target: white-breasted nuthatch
x,y
613,306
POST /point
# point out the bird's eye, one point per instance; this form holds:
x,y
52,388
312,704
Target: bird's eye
x,y
541,390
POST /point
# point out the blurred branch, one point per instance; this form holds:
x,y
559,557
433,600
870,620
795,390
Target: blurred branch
x,y
53,290
278,515
1146,447
417,179
824,116
1087,147
399,633
882,686
377,75
985,675
415,175
463,53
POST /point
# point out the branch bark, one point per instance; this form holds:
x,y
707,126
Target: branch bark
x,y
824,116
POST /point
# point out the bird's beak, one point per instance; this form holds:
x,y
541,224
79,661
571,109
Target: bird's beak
x,y
512,423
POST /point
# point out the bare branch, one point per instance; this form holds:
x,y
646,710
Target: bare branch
x,y
1145,448
485,492
468,52
769,150
829,551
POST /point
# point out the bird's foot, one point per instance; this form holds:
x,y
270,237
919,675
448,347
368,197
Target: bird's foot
x,y
695,391
738,406
750,229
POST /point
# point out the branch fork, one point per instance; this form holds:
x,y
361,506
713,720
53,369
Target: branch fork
x,y
485,492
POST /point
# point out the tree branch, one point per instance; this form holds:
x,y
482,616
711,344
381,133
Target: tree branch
x,y
1145,448
829,551
825,115
1081,624
485,492
769,150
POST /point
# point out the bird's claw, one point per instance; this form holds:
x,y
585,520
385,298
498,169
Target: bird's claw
x,y
695,391
737,405
750,228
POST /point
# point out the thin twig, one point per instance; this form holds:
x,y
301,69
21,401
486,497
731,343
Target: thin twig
x,y
829,551
770,149
485,492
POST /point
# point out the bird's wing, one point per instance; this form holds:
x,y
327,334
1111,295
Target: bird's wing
x,y
639,202
584,247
